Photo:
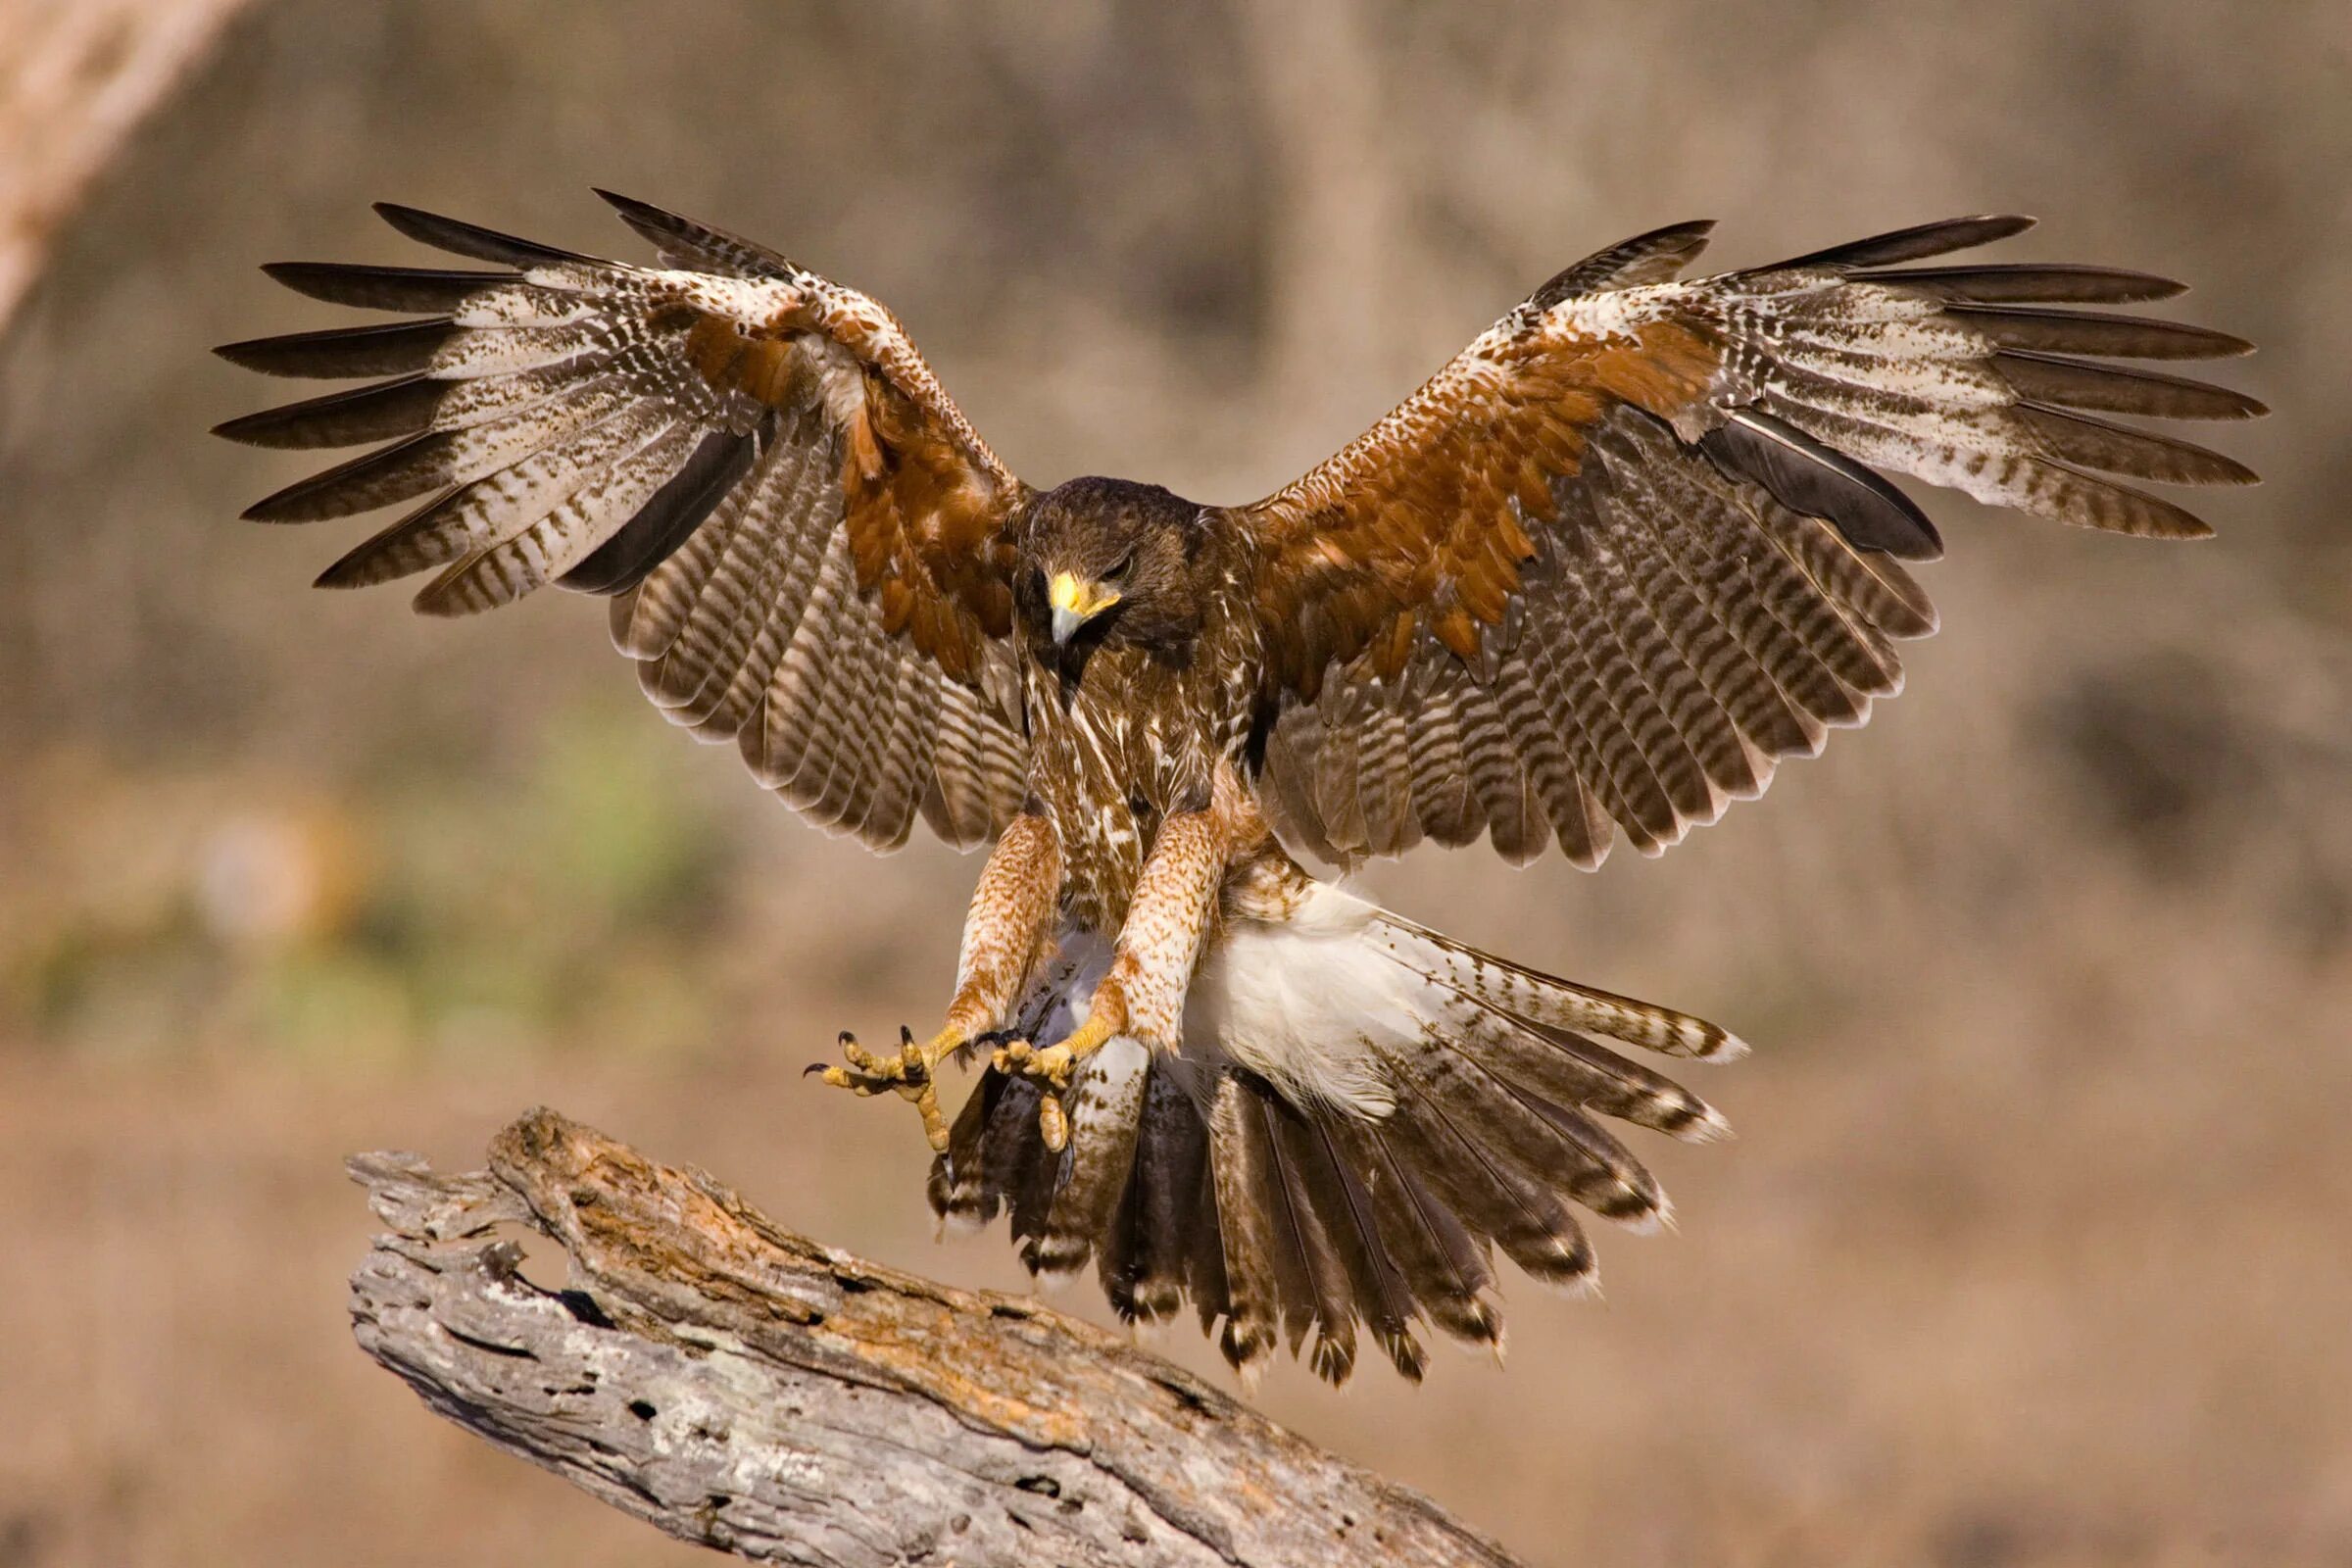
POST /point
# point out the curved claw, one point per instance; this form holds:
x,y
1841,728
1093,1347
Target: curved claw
x,y
1053,1067
1053,1122
906,1074
858,1056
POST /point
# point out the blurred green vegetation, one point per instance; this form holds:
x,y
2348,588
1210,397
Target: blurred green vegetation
x,y
385,916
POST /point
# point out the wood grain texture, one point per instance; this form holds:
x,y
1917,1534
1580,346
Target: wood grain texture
x,y
746,1389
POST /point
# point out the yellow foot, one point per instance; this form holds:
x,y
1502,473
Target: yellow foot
x,y
1054,1066
907,1074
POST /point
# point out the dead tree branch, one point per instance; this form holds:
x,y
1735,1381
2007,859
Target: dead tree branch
x,y
77,77
741,1387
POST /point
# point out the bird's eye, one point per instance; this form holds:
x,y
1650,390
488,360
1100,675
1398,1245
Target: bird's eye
x,y
1118,573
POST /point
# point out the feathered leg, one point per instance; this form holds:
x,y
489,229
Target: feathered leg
x,y
1142,996
1007,930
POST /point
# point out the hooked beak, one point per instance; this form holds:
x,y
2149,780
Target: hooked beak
x,y
1076,603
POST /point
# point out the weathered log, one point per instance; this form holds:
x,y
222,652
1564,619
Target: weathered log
x,y
739,1385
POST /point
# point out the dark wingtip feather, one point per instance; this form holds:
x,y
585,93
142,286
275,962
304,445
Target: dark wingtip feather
x,y
343,353
2032,282
415,289
1916,243
384,412
372,479
631,209
2110,448
471,239
2098,333
648,222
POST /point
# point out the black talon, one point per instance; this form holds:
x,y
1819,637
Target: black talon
x,y
815,1067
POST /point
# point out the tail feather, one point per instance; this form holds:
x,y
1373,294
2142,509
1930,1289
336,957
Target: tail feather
x,y
1016,1164
1335,1192
1317,1294
1106,1110
1362,1111
1544,999
1162,1212
1510,1128
1441,1261
1205,1274
1569,1068
1497,1198
960,1192
1246,1226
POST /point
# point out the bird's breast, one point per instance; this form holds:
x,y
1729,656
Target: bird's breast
x,y
1110,758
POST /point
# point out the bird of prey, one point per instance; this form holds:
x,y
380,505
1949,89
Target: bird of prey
x,y
1613,563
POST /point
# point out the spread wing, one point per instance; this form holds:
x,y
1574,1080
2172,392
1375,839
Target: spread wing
x,y
1628,550
804,540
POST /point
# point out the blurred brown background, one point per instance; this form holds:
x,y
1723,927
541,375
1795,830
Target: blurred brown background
x,y
2034,1249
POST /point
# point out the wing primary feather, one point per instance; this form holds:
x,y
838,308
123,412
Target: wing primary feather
x,y
2118,389
2030,283
353,418
2095,332
1913,244
425,290
2112,447
461,238
397,473
344,353
698,246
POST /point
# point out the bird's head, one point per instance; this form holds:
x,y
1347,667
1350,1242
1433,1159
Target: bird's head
x,y
1108,561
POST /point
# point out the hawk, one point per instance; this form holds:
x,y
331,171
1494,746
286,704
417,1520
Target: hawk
x,y
1612,564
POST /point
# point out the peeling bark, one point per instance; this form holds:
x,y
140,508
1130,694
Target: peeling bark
x,y
744,1387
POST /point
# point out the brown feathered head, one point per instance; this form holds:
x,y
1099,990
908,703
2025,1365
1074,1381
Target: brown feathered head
x,y
1107,563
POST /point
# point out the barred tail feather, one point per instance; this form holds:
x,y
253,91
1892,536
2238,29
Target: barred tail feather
x,y
1363,1113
